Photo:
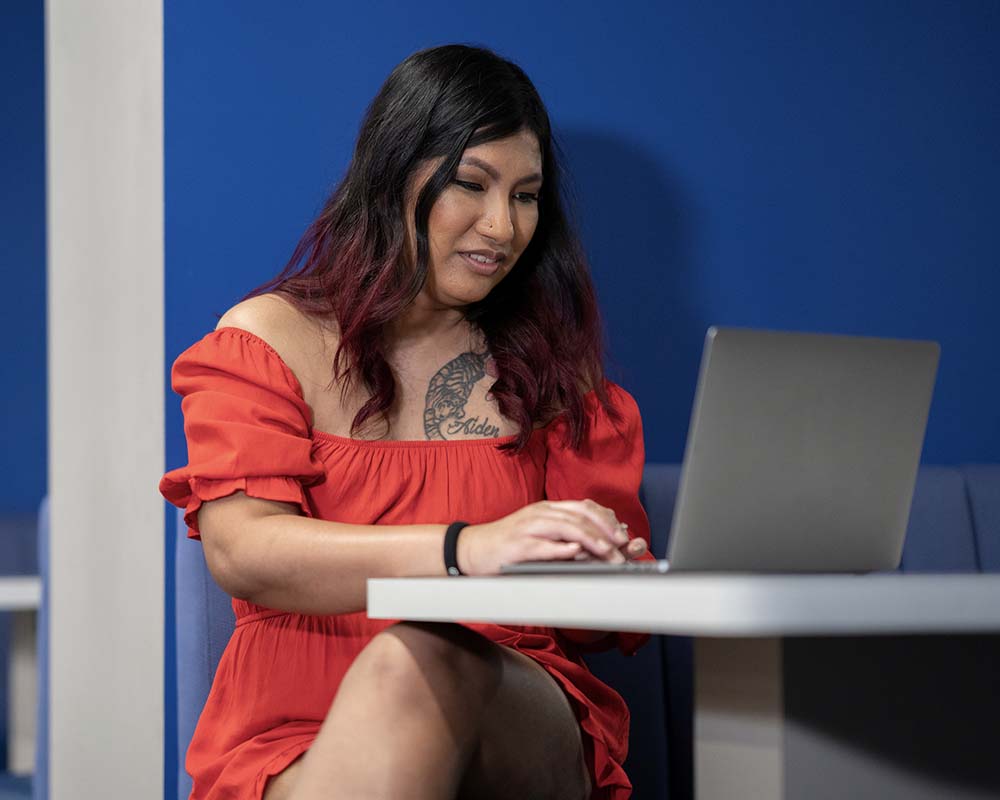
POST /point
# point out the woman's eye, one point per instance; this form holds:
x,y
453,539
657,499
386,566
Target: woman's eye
x,y
522,197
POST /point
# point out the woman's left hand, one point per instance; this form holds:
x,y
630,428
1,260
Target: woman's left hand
x,y
636,548
632,549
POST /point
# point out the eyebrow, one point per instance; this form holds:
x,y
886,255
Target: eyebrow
x,y
477,162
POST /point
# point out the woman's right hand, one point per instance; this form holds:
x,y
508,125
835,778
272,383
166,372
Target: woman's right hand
x,y
550,530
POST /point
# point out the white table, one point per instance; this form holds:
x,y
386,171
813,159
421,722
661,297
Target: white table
x,y
760,640
22,596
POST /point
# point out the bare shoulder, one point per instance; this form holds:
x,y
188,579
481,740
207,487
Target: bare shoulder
x,y
266,316
300,339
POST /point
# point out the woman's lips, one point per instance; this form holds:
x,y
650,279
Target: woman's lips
x,y
479,267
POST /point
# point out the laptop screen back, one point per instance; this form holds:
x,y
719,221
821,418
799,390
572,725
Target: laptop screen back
x,y
802,452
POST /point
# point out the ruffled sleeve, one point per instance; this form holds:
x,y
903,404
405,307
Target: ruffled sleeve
x,y
247,426
606,469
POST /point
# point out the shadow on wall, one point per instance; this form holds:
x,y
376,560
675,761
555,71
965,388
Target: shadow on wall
x,y
638,231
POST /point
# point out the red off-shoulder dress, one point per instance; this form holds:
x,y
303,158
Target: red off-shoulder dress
x,y
248,428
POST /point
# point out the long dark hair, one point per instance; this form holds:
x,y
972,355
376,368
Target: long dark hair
x,y
540,323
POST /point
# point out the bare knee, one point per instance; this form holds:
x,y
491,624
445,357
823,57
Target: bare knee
x,y
456,664
405,718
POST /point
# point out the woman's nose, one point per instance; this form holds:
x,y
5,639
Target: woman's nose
x,y
496,222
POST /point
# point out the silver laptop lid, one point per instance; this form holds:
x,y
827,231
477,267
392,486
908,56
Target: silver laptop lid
x,y
802,452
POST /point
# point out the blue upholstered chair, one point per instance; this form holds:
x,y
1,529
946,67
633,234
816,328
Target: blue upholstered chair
x,y
954,526
205,621
982,484
954,520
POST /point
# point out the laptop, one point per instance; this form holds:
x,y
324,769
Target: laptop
x,y
801,456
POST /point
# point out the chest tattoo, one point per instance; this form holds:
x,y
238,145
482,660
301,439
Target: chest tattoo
x,y
448,393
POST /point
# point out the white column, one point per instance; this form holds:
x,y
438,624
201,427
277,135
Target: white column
x,y
104,134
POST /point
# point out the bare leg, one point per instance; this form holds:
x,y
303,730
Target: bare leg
x,y
405,717
530,745
436,711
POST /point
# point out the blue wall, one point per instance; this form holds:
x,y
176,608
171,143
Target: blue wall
x,y
22,256
830,166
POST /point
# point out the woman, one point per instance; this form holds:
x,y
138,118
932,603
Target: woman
x,y
430,356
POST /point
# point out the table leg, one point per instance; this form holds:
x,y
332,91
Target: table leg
x,y
739,719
